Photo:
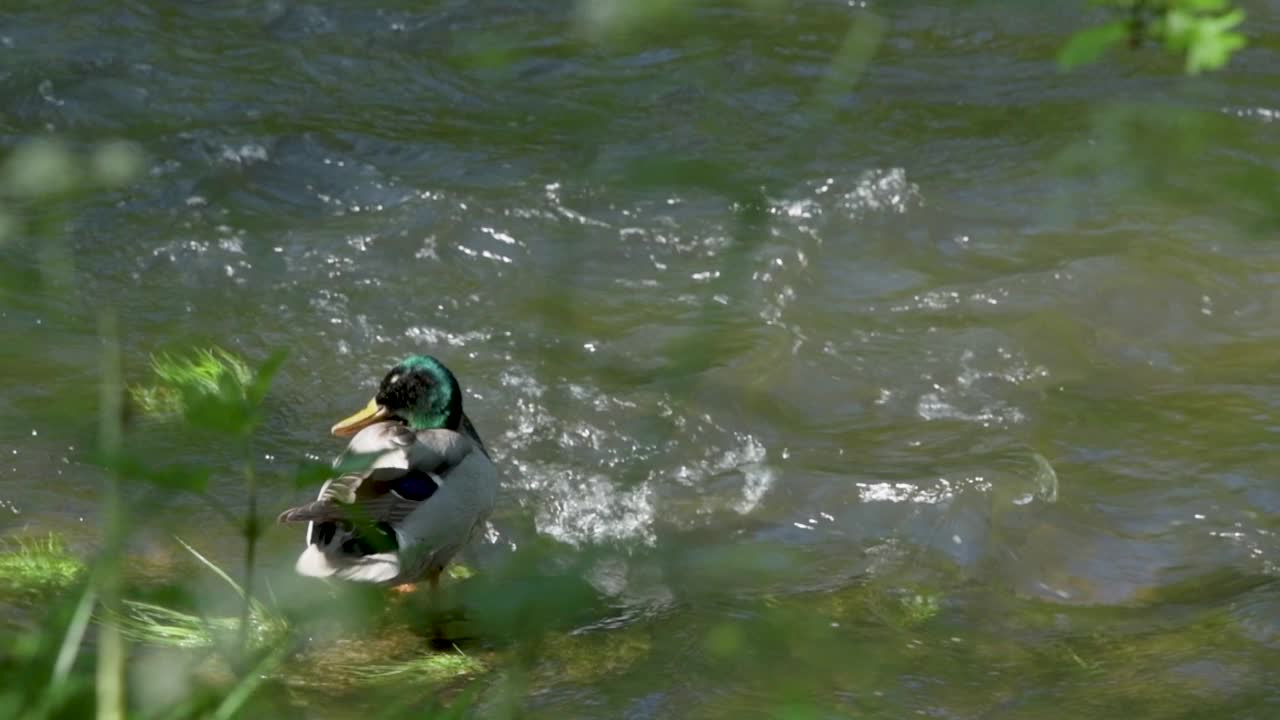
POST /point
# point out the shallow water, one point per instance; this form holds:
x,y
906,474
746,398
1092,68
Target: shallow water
x,y
885,340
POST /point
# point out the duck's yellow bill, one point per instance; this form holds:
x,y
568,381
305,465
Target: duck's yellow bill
x,y
372,413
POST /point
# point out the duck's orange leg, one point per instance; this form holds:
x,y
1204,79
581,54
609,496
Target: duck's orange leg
x,y
433,581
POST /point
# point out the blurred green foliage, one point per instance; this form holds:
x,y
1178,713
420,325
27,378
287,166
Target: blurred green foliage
x,y
32,568
1203,32
44,170
204,374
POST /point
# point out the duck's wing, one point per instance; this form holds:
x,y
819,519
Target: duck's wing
x,y
379,495
387,472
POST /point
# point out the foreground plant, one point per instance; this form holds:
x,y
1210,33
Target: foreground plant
x,y
201,373
36,567
1202,31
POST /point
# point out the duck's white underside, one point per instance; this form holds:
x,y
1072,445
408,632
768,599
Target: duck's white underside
x,y
328,561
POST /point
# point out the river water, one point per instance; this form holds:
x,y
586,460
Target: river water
x,y
962,372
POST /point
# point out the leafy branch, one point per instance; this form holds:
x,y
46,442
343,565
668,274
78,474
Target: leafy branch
x,y
1202,31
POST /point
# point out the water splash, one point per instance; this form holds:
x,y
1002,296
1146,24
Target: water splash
x,y
577,507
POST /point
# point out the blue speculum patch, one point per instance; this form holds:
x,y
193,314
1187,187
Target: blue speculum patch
x,y
415,485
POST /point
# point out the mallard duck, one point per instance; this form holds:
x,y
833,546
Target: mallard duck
x,y
414,485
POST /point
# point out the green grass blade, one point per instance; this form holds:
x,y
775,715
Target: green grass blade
x,y
210,564
74,636
243,690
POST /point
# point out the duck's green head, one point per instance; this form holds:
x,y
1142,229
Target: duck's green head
x,y
420,391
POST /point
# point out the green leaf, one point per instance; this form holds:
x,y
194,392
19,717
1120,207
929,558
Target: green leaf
x,y
71,641
1212,43
861,41
212,389
311,474
8,226
257,389
1087,46
39,168
613,20
115,164
1204,6
212,566
192,377
240,694
223,410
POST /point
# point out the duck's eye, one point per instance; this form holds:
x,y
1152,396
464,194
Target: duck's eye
x,y
393,378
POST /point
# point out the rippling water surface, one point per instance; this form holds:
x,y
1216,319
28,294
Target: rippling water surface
x,y
916,333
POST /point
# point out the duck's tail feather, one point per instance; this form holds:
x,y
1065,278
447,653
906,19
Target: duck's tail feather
x,y
381,568
350,553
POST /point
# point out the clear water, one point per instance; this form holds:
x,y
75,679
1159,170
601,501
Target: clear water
x,y
776,358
